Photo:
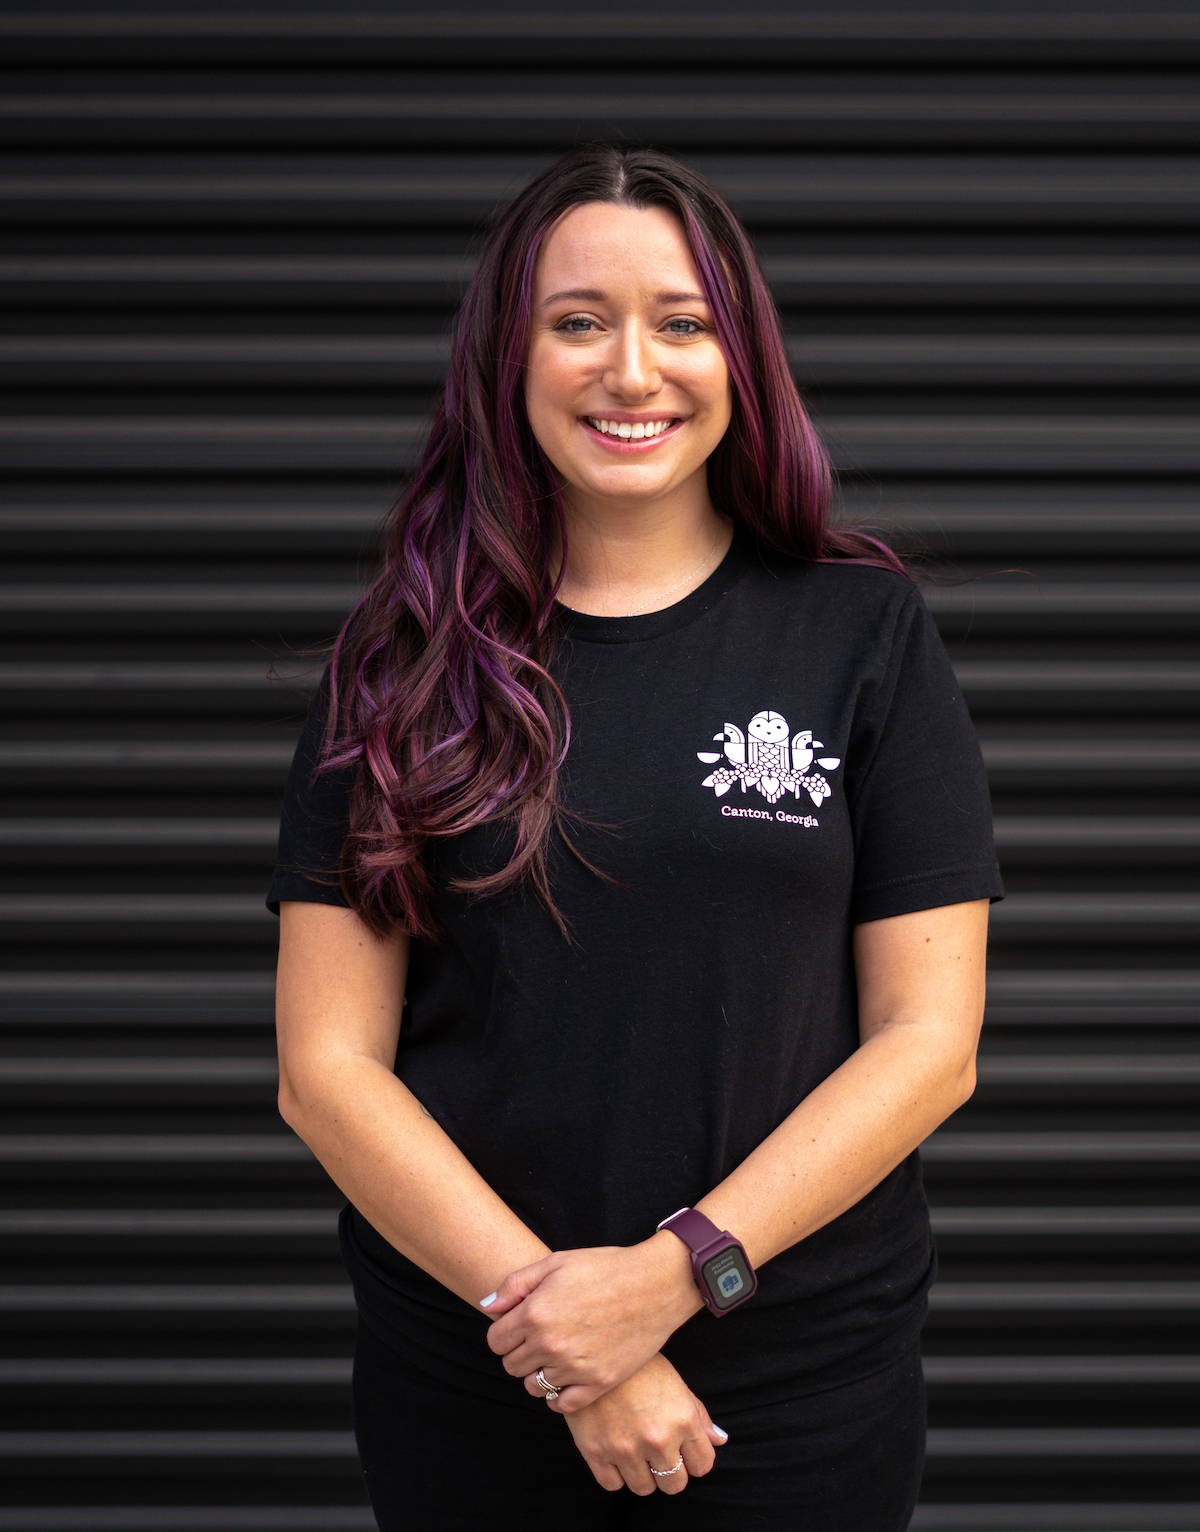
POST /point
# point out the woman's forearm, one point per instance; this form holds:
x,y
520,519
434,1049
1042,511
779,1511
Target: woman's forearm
x,y
407,1177
843,1138
921,1000
601,1311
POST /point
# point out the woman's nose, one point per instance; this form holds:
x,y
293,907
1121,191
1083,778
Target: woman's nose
x,y
631,370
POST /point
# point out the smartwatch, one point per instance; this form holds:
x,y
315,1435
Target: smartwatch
x,y
723,1274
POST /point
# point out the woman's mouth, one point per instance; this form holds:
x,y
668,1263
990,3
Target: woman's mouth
x,y
667,426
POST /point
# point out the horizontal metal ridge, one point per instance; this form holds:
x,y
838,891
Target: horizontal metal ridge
x,y
937,280
1111,1068
169,1298
1049,832
1072,1068
233,677
1100,913
925,441
1138,911
1068,832
246,833
872,106
1026,519
91,987
71,1008
257,596
1030,1222
944,1147
239,268
161,755
959,1147
1030,597
171,1223
1015,750
1067,1296
199,1070
942,1516
1008,1516
1143,178
178,675
1104,1443
981,358
233,1371
314,1372
400,37
1091,516
138,1442
1109,1444
190,1518
463,23
219,1297
278,1148
1003,594
858,189
1097,989
228,1223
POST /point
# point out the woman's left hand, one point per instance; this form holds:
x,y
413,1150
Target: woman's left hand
x,y
591,1318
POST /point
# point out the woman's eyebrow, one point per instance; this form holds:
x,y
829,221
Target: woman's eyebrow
x,y
594,295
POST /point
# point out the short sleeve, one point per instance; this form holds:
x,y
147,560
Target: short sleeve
x,y
313,819
920,805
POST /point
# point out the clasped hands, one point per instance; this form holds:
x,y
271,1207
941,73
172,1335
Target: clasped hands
x,y
593,1321
591,1318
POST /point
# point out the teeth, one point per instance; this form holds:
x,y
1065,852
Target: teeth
x,y
626,431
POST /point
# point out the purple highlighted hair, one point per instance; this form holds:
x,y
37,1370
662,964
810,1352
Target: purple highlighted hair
x,y
440,687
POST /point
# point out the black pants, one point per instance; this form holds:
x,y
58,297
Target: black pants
x,y
848,1459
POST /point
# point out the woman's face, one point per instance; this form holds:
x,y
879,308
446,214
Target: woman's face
x,y
620,330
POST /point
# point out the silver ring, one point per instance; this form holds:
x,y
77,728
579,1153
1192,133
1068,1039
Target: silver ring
x,y
665,1473
551,1392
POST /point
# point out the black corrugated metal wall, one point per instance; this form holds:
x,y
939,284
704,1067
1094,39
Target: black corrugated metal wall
x,y
235,240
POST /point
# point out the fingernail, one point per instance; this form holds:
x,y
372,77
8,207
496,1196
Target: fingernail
x,y
717,1428
483,1302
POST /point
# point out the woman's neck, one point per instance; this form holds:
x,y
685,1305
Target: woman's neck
x,y
617,570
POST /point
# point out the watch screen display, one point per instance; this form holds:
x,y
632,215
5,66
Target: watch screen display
x,y
727,1278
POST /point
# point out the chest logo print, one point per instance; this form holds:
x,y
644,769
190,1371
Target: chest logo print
x,y
766,758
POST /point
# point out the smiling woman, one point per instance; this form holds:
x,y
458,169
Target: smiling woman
x,y
646,1143
628,401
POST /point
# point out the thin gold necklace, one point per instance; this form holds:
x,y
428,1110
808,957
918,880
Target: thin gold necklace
x,y
659,597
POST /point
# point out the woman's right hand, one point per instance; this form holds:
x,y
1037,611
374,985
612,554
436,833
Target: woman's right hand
x,y
650,1418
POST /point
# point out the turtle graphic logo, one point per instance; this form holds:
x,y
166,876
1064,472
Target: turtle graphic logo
x,y
764,758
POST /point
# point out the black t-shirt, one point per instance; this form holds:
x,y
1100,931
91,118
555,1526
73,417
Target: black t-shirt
x,y
786,753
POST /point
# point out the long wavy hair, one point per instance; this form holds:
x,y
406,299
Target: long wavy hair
x,y
440,688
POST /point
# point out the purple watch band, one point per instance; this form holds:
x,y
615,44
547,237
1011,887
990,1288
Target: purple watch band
x,y
729,1278
693,1228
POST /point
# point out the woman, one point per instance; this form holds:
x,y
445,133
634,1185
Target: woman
x,y
746,981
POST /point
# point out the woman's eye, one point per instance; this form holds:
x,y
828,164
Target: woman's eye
x,y
567,326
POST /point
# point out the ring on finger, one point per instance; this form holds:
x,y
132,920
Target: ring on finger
x,y
548,1388
665,1473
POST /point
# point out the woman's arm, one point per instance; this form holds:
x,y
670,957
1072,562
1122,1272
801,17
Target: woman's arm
x,y
921,980
339,997
338,1001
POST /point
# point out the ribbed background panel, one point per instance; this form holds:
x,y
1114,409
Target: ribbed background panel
x,y
235,239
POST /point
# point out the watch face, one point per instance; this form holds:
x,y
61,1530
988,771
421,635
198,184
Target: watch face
x,y
727,1277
